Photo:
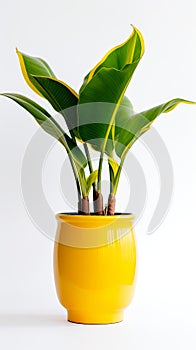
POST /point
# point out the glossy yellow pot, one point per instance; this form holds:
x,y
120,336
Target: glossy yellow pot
x,y
94,266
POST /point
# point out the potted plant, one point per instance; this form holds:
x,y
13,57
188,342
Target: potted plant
x,y
95,253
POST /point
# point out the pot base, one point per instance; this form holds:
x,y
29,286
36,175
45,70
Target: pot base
x,y
89,317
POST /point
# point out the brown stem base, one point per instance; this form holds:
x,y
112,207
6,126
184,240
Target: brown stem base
x,y
98,203
111,204
83,206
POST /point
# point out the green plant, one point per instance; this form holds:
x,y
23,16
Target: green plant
x,y
100,116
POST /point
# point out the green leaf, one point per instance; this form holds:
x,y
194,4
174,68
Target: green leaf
x,y
135,125
33,66
124,113
99,103
114,166
101,97
118,57
63,99
48,124
90,180
42,80
113,171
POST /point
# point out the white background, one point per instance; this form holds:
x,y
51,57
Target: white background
x,y
72,36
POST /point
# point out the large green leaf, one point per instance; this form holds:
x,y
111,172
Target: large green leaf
x,y
62,98
42,80
118,57
46,121
99,103
33,66
102,94
131,126
125,111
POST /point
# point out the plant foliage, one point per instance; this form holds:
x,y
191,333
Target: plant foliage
x,y
100,115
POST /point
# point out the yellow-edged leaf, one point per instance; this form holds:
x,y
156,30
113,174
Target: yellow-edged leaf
x,y
91,180
33,66
131,50
139,123
49,124
114,165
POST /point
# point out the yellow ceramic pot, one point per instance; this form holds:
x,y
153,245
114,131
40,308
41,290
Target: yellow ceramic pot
x,y
94,266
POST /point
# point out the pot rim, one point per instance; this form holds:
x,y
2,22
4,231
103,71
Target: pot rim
x,y
69,215
92,231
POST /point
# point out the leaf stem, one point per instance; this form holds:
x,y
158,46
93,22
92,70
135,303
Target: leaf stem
x,y
73,165
84,208
97,197
111,174
75,176
88,157
117,177
100,171
111,124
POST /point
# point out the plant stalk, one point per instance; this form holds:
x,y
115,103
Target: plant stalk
x,y
84,207
111,204
111,174
88,157
117,178
111,198
76,180
106,140
98,202
100,171
97,197
73,166
89,161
